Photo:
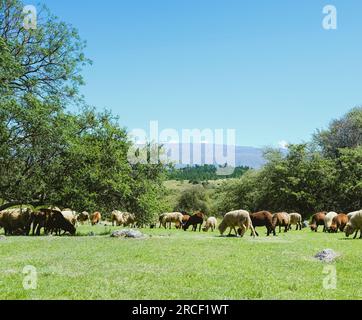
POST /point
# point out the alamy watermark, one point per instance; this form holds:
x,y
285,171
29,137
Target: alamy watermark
x,y
330,19
30,281
188,147
330,280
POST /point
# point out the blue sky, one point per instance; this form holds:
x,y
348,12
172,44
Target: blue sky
x,y
265,68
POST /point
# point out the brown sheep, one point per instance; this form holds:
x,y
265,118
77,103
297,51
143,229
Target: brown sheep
x,y
318,220
16,221
339,223
194,221
281,219
95,218
56,222
263,219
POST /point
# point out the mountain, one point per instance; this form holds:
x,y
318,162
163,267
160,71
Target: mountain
x,y
198,154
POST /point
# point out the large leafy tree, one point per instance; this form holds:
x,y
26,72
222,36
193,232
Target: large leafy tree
x,y
52,157
342,133
48,59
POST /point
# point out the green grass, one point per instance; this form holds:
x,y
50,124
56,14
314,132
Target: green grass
x,y
179,265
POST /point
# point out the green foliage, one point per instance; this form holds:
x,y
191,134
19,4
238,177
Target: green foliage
x,y
193,199
52,157
48,60
197,174
342,133
301,181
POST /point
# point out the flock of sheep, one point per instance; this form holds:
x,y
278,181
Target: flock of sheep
x,y
240,221
52,220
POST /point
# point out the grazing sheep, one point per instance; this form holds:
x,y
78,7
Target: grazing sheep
x,y
70,216
56,222
95,218
211,223
83,217
129,219
263,219
185,217
117,217
239,218
194,221
318,220
169,218
295,219
328,220
354,224
16,221
39,220
281,219
339,223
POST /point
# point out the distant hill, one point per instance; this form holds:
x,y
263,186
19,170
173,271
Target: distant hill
x,y
244,156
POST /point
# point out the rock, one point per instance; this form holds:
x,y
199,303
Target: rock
x,y
305,224
134,234
2,238
327,255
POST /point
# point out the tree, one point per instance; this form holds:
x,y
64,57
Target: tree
x,y
193,199
50,157
49,59
342,133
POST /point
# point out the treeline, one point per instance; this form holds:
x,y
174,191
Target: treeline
x,y
325,174
48,155
202,173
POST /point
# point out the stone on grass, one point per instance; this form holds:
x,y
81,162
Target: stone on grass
x,y
133,234
305,224
327,255
2,238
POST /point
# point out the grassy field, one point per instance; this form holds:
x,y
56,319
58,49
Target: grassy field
x,y
179,265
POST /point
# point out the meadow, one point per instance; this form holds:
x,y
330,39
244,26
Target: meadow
x,y
173,264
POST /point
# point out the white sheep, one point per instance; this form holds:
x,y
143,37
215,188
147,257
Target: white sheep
x,y
295,219
329,219
169,218
211,223
354,224
239,218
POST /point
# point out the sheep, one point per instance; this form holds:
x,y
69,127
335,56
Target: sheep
x,y
263,219
70,216
129,219
211,223
169,218
295,219
339,223
239,218
95,218
55,222
194,221
16,221
83,217
117,217
318,220
328,220
354,224
281,219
